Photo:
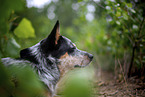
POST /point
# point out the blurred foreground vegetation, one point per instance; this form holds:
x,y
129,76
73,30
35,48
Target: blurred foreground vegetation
x,y
113,30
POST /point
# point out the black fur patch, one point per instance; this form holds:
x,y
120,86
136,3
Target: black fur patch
x,y
27,55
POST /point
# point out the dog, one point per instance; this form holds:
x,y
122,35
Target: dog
x,y
51,58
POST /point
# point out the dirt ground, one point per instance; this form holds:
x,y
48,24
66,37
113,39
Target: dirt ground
x,y
107,86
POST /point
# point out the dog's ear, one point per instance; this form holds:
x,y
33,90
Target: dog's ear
x,y
54,35
52,40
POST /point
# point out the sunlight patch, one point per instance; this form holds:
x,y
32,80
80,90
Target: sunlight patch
x,y
37,3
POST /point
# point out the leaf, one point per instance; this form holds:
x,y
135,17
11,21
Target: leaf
x,y
79,84
129,5
12,48
132,10
80,0
118,14
28,86
117,22
6,9
24,29
135,27
125,16
108,7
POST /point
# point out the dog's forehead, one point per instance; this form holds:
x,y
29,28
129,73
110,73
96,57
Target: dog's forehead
x,y
67,40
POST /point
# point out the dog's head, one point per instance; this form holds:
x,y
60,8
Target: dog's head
x,y
60,48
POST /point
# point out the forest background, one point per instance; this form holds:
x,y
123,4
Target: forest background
x,y
112,30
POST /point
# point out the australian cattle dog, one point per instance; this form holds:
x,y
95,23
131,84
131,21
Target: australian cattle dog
x,y
51,58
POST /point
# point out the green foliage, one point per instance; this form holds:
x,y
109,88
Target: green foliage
x,y
128,22
19,82
14,81
11,47
25,81
5,83
8,44
7,7
24,29
78,84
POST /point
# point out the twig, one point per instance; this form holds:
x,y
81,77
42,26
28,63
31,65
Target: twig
x,y
106,94
140,27
131,34
99,4
130,40
123,74
115,69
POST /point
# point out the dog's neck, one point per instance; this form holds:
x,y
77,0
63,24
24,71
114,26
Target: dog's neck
x,y
47,67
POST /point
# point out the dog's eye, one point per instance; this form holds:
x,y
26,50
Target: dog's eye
x,y
72,49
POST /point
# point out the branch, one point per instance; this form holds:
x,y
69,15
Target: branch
x,y
140,27
99,4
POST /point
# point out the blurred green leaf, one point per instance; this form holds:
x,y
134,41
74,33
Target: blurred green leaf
x,y
118,14
135,27
5,84
132,10
19,82
117,22
24,29
78,84
80,0
129,5
26,81
125,16
12,48
7,7
108,7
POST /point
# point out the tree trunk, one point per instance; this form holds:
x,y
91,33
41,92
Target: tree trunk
x,y
132,60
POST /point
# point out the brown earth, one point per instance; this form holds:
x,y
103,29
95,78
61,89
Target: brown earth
x,y
107,86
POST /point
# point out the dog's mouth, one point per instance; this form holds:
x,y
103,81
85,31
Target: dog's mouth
x,y
81,65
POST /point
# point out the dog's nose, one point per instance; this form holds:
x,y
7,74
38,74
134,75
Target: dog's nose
x,y
90,56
